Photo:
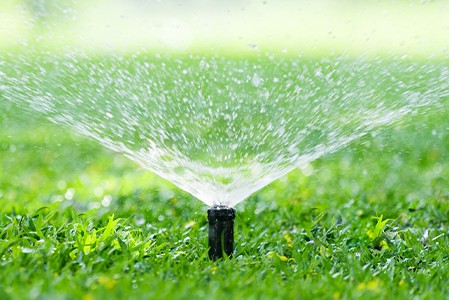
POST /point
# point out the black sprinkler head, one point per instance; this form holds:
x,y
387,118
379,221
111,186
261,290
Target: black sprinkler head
x,y
221,231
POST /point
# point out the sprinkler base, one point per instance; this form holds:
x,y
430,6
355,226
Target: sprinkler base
x,y
221,231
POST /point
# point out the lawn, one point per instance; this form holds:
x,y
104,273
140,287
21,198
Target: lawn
x,y
368,221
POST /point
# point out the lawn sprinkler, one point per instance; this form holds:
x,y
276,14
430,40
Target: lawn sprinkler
x,y
221,231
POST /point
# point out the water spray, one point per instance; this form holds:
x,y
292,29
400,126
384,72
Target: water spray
x,y
221,231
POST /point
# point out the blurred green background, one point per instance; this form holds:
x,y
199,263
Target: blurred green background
x,y
417,28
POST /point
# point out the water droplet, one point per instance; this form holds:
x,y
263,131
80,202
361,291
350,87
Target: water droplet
x,y
306,169
69,194
106,200
256,80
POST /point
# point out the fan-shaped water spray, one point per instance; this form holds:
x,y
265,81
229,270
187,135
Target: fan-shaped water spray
x,y
221,127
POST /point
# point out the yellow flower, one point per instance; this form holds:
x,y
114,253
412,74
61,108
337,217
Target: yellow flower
x,y
283,258
288,239
88,297
107,282
372,285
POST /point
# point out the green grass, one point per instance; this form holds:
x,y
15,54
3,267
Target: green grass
x,y
369,222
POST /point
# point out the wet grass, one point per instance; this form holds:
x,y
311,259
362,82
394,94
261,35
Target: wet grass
x,y
79,222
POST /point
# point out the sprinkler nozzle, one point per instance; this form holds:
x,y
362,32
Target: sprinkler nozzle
x,y
221,231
